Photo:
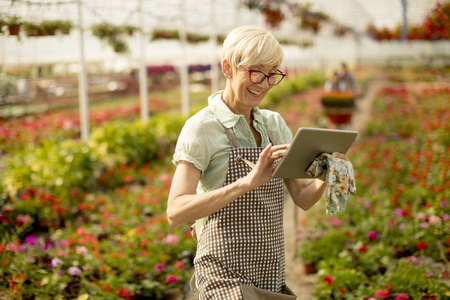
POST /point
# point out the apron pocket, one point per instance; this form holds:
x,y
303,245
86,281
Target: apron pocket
x,y
254,293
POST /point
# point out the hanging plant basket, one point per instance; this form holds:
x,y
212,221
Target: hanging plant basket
x,y
14,29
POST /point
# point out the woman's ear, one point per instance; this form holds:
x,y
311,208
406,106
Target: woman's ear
x,y
226,69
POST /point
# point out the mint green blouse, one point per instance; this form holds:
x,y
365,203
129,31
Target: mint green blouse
x,y
204,143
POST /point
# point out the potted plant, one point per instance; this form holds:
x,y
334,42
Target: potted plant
x,y
64,27
31,29
48,27
129,29
13,23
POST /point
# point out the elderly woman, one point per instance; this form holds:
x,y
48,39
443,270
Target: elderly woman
x,y
225,156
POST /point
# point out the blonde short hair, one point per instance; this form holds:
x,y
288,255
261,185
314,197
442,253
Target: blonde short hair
x,y
251,45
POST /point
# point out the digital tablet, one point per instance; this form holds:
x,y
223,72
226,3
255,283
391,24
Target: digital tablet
x,y
309,143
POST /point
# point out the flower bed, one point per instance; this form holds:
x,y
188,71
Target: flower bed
x,y
82,220
399,224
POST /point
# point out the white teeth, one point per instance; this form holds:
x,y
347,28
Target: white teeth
x,y
254,92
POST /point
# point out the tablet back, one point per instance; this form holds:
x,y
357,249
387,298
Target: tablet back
x,y
308,143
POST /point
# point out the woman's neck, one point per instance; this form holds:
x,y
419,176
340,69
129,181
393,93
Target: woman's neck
x,y
233,105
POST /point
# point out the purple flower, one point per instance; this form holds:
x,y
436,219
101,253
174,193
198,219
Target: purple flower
x,y
443,203
31,240
49,245
62,243
74,271
372,235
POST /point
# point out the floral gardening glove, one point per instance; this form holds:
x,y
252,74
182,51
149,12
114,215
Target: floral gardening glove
x,y
340,178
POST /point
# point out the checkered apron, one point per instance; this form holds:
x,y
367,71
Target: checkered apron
x,y
243,243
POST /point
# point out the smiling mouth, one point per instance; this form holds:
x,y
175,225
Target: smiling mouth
x,y
253,92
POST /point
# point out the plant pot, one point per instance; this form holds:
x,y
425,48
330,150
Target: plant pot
x,y
14,29
310,268
172,294
337,118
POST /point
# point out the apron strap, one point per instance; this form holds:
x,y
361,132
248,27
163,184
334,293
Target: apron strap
x,y
231,137
270,136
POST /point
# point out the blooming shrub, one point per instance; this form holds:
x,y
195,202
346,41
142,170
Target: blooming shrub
x,y
399,223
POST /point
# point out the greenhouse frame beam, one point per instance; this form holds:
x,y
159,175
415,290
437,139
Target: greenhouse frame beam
x,y
143,92
82,80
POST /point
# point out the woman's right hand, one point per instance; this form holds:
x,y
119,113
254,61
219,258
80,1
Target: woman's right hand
x,y
262,172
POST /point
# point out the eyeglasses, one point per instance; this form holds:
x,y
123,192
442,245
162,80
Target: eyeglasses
x,y
257,77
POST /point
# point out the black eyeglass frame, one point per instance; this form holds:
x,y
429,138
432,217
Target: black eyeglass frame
x,y
265,75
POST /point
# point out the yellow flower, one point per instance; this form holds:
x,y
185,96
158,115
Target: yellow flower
x,y
83,297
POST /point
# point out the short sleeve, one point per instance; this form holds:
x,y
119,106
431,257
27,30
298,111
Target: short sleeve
x,y
282,134
193,146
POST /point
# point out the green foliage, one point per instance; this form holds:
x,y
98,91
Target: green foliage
x,y
329,245
292,86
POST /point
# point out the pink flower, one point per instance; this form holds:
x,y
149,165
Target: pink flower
x,y
372,235
412,259
398,211
421,215
159,267
381,294
171,239
171,279
56,261
336,221
22,219
401,296
435,220
74,271
82,250
446,217
443,203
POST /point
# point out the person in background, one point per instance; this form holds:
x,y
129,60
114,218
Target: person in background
x,y
225,156
347,81
332,84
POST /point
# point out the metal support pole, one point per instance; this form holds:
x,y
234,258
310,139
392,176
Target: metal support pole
x,y
82,81
404,35
183,63
143,92
213,38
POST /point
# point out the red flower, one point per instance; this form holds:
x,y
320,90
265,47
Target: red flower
x,y
124,293
421,245
342,290
328,279
388,287
444,274
382,294
362,249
